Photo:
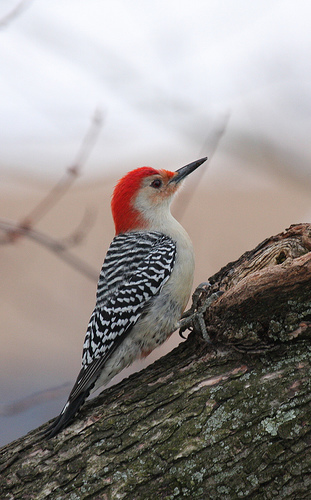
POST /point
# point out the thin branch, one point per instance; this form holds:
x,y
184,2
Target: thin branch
x,y
81,231
60,189
72,240
35,399
16,12
14,230
89,140
209,147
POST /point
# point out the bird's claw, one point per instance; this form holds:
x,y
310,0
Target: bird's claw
x,y
194,317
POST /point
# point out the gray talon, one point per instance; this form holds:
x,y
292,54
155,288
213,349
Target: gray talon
x,y
194,317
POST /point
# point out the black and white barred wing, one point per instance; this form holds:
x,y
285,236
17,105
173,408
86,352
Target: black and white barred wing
x,y
125,255
136,267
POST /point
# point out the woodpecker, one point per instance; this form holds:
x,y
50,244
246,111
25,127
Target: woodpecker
x,y
144,284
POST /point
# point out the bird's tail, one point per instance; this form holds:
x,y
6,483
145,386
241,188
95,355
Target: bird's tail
x,y
66,415
80,391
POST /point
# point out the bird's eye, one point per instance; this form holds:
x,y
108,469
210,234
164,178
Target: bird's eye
x,y
157,183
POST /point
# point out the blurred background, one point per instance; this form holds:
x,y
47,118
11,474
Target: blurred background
x,y
90,90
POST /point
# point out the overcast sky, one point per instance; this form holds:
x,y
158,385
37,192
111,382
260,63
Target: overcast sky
x,y
164,74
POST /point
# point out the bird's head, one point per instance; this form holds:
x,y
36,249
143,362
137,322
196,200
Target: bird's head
x,y
145,194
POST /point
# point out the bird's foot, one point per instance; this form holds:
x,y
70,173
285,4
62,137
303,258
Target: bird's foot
x,y
193,319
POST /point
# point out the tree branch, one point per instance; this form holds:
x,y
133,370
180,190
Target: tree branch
x,y
205,421
266,292
55,246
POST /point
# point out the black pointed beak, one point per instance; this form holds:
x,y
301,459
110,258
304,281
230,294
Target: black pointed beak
x,y
182,172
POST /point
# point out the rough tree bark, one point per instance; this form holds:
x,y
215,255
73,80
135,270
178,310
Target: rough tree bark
x,y
228,419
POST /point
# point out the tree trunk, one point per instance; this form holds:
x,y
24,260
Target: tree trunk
x,y
223,419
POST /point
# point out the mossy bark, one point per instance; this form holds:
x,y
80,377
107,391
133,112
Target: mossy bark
x,y
224,420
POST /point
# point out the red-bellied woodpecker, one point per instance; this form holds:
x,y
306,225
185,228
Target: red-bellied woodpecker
x,y
144,284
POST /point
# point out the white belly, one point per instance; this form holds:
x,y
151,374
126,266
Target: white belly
x,y
160,320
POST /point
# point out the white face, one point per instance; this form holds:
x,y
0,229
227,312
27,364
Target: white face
x,y
155,196
156,189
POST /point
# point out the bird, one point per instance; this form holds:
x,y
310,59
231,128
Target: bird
x,y
144,284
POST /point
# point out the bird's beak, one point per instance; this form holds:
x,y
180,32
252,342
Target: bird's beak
x,y
182,172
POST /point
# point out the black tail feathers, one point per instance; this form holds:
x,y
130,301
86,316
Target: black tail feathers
x,y
66,416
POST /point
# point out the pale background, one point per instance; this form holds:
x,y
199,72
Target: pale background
x,y
174,81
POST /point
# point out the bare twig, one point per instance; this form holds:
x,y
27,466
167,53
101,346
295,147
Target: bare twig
x,y
14,230
209,147
80,232
14,13
60,189
32,400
